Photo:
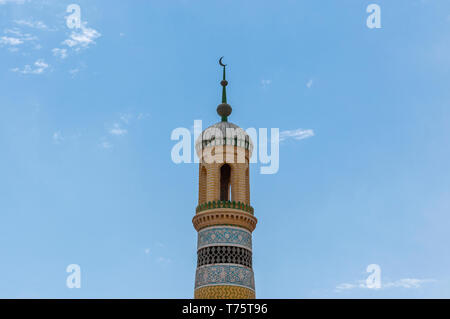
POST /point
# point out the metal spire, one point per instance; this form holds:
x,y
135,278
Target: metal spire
x,y
224,110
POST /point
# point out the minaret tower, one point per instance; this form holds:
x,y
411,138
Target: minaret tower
x,y
224,218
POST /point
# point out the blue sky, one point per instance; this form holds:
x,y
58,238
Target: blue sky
x,y
86,175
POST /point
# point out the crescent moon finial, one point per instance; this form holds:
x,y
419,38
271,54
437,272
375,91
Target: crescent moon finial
x,y
224,110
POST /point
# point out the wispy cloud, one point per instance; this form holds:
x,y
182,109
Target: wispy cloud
x,y
345,286
32,24
10,41
298,134
78,39
16,40
309,83
13,38
13,1
38,67
61,53
117,130
407,283
82,37
120,126
126,118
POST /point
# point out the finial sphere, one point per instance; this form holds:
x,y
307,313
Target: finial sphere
x,y
224,110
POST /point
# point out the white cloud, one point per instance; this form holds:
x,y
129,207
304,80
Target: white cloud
x,y
147,251
407,283
117,130
14,37
13,1
82,37
401,283
38,67
14,31
129,117
62,53
348,286
309,83
298,134
126,117
23,36
120,126
345,286
10,40
32,24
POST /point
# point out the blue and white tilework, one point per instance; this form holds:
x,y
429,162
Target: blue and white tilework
x,y
224,235
224,274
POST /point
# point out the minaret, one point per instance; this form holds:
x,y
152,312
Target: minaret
x,y
224,218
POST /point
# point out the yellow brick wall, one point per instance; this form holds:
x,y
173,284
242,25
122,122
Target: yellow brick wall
x,y
202,184
212,182
212,160
247,188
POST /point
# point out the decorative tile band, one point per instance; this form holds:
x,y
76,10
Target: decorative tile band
x,y
224,292
224,255
224,274
233,236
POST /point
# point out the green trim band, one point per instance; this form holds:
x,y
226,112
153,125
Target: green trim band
x,y
225,204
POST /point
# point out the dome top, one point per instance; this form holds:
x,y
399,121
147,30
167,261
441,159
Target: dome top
x,y
223,126
224,133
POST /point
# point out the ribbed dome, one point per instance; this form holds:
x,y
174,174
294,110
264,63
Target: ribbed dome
x,y
222,126
224,133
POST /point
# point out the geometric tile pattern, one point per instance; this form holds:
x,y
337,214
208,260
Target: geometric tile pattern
x,y
233,236
224,254
224,292
224,274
